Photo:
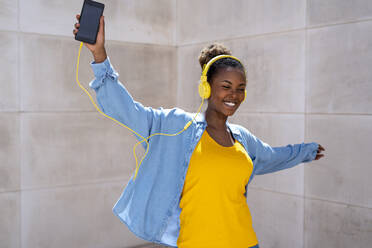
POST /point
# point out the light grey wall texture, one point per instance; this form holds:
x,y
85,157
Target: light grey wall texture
x,y
63,165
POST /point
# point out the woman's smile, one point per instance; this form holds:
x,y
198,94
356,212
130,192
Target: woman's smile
x,y
230,105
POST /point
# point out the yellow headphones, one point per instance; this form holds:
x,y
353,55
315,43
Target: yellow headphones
x,y
204,86
204,92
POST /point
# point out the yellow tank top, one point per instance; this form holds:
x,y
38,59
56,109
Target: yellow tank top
x,y
214,209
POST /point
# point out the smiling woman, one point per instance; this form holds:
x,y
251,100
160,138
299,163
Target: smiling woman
x,y
191,189
209,217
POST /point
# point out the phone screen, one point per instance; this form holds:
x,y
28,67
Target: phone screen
x,y
89,21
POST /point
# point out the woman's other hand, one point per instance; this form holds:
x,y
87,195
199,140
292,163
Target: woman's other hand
x,y
319,155
98,49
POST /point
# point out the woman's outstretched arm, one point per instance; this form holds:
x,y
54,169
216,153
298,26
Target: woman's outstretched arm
x,y
271,159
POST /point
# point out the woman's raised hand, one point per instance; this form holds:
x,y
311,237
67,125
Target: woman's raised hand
x,y
98,49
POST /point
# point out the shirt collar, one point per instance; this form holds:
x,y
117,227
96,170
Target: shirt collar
x,y
200,118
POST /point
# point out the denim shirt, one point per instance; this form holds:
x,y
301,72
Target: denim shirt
x,y
149,205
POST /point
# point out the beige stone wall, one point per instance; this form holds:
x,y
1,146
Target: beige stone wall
x,y
63,165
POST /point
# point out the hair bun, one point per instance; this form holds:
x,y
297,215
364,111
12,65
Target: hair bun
x,y
211,51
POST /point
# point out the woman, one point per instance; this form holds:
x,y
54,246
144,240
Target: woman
x,y
191,189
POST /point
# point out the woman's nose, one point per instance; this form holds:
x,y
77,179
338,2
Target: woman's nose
x,y
234,92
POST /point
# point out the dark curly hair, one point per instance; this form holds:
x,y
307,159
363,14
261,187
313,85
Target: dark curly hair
x,y
213,50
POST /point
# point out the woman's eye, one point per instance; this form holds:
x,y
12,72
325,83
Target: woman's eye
x,y
228,87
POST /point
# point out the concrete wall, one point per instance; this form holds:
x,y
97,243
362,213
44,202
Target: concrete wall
x,y
63,165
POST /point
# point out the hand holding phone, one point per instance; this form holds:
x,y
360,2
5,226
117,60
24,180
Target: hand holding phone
x,y
87,35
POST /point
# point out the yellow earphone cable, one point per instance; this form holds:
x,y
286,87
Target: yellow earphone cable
x,y
143,139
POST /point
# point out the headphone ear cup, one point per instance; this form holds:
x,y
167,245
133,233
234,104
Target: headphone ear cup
x,y
245,95
204,89
207,90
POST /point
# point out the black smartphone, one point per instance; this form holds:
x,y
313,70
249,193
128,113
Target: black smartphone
x,y
89,21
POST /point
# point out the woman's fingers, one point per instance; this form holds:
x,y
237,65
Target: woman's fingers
x,y
321,148
76,25
318,156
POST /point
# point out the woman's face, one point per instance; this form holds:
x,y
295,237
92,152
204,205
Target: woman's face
x,y
227,90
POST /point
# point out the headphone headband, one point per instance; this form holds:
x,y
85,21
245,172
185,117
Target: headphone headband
x,y
214,59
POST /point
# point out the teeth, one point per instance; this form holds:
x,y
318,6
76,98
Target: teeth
x,y
231,104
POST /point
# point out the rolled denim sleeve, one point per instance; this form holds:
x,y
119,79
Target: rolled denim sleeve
x,y
271,159
115,100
